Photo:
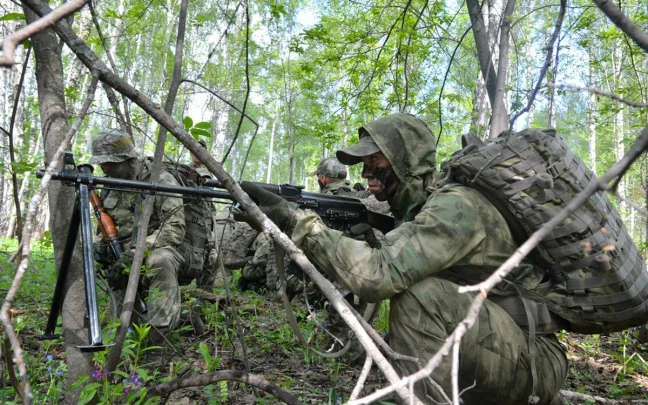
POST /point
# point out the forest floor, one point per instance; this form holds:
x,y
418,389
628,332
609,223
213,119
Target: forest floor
x,y
612,367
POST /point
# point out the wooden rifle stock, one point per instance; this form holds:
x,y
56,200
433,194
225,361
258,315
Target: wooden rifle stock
x,y
111,236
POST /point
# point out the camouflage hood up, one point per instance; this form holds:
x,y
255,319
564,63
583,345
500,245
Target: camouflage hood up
x,y
410,147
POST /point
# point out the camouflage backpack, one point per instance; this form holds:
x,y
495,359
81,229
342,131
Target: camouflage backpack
x,y
199,218
597,279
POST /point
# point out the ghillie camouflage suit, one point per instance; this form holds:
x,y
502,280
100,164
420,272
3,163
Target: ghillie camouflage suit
x,y
445,237
168,264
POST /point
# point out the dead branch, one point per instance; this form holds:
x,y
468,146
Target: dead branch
x,y
545,67
133,279
602,184
624,23
224,375
9,43
92,61
24,247
598,92
576,396
366,368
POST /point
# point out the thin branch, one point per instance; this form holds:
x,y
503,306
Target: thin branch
x,y
133,279
12,156
545,67
361,379
598,92
9,43
445,78
624,23
112,100
247,80
24,247
224,375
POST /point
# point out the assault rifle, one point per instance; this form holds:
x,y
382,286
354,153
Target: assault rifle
x,y
337,212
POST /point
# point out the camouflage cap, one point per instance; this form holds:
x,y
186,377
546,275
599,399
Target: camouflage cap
x,y
112,145
331,167
352,154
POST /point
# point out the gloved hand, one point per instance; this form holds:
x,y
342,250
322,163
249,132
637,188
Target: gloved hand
x,y
276,208
365,232
117,280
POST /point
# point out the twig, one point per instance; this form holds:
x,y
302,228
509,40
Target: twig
x,y
12,156
133,279
125,119
24,247
361,379
445,78
624,23
90,59
598,92
224,375
545,67
9,43
247,80
577,396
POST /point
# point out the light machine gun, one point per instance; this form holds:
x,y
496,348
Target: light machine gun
x,y
337,212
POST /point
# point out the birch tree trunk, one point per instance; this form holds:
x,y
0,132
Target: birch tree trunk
x,y
271,150
51,96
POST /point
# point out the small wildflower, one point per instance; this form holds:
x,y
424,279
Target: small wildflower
x,y
323,324
339,401
127,390
136,380
129,331
106,373
96,372
59,372
49,369
49,357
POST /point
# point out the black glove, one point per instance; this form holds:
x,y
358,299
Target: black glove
x,y
117,280
365,232
276,208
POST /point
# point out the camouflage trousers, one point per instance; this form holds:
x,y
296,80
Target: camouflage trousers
x,y
166,271
494,353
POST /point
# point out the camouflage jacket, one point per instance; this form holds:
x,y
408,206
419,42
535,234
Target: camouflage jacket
x,y
451,232
342,187
167,223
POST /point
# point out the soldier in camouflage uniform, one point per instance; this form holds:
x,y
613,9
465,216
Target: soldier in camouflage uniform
x,y
446,236
168,263
331,177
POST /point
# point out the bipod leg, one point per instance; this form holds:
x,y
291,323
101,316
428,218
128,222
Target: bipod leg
x,y
94,328
57,300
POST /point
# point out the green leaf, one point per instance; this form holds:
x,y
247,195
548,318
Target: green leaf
x,y
204,351
188,123
23,167
27,43
13,17
196,132
203,125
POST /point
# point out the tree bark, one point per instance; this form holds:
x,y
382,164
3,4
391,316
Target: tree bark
x,y
51,95
499,119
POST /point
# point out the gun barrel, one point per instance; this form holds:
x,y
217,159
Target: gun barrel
x,y
83,178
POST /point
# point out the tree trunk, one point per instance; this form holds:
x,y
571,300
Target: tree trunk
x,y
51,96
